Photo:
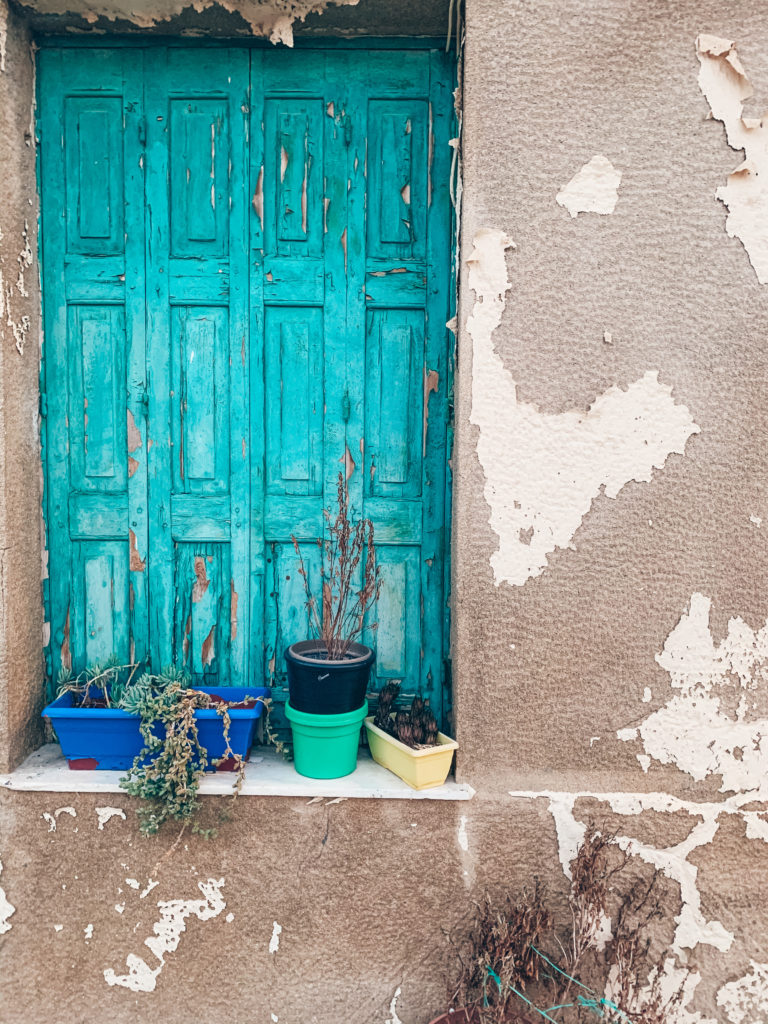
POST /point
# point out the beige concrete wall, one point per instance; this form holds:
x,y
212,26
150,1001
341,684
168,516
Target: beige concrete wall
x,y
579,613
21,615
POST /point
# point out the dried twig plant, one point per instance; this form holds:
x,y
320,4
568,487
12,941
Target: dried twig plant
x,y
522,960
348,549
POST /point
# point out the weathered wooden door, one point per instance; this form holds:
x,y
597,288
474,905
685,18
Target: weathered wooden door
x,y
246,283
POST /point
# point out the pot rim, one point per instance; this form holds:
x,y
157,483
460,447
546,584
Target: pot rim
x,y
300,652
444,742
312,718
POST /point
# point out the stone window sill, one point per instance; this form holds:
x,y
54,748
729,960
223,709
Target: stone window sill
x,y
266,774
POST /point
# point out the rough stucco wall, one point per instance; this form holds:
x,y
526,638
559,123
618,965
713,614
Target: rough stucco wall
x,y
21,620
601,667
651,309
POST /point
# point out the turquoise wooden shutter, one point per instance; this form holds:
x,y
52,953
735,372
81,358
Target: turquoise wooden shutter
x,y
197,355
94,372
246,283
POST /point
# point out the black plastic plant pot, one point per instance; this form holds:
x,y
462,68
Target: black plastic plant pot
x,y
320,686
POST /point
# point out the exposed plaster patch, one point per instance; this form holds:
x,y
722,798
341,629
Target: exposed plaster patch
x,y
724,83
106,813
394,1019
692,928
745,1000
19,324
695,730
133,883
150,886
3,32
167,935
88,930
593,189
462,837
52,819
274,942
7,909
542,472
58,927
229,918
271,18
756,521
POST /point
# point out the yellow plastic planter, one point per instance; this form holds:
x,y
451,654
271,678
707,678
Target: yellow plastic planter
x,y
421,769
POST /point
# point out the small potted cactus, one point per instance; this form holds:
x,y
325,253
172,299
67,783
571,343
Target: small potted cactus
x,y
408,742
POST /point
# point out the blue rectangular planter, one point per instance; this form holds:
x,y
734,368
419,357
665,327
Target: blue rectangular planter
x,y
110,738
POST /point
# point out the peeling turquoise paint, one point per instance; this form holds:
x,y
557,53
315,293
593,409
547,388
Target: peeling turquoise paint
x,y
246,267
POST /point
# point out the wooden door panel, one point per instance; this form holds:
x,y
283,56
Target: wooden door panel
x,y
293,344
99,613
197,355
93,370
93,161
97,412
398,163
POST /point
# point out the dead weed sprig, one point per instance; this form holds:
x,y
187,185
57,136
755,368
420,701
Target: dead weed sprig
x,y
348,547
522,960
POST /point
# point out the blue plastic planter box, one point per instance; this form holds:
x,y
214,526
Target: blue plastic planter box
x,y
110,738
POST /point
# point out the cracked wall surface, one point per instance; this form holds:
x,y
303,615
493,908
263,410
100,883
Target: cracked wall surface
x,y
609,566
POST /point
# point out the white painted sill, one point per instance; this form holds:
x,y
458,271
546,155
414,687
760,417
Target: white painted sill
x,y
266,774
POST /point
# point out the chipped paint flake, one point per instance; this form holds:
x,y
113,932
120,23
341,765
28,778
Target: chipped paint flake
x,y
137,563
724,83
104,814
274,942
394,1019
593,189
52,819
7,909
708,727
542,472
745,1000
167,935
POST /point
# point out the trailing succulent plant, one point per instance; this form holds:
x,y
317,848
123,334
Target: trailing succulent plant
x,y
416,727
166,774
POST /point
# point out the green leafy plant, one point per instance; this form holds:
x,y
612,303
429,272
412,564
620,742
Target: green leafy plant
x,y
347,549
415,726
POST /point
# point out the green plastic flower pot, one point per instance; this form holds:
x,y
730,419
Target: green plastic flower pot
x,y
325,746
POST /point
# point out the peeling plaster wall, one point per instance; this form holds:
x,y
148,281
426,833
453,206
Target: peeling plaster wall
x,y
608,591
610,569
21,620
